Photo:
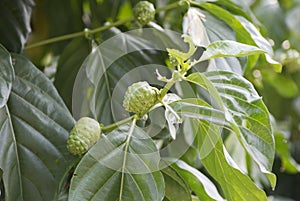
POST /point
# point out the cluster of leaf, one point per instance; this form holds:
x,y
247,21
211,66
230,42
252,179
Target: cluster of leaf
x,y
226,130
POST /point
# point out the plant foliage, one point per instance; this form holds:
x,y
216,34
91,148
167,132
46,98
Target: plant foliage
x,y
216,123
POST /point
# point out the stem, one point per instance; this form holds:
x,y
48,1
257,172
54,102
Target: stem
x,y
117,124
169,7
125,156
166,88
78,34
96,30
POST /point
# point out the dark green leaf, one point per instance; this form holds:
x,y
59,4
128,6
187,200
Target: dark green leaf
x,y
62,17
100,173
34,127
235,184
246,113
15,23
198,182
6,75
175,187
68,66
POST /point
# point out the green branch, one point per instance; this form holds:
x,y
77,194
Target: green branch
x,y
87,32
115,125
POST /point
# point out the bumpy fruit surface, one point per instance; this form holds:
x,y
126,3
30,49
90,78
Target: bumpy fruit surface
x,y
140,97
83,136
144,12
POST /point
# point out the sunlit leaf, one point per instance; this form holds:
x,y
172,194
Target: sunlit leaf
x,y
228,48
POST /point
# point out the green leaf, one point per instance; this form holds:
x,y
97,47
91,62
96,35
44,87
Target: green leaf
x,y
34,128
246,113
283,150
15,20
227,48
246,33
204,28
68,66
6,75
175,187
235,184
282,83
198,182
199,109
101,175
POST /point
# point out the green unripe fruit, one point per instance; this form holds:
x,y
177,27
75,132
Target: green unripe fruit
x,y
83,136
140,97
144,12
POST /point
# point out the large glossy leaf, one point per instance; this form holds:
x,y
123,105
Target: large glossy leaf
x,y
34,126
68,66
6,75
175,186
119,168
235,184
246,113
15,23
198,182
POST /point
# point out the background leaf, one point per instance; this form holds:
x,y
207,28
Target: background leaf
x,y
34,127
282,149
15,18
68,66
99,173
